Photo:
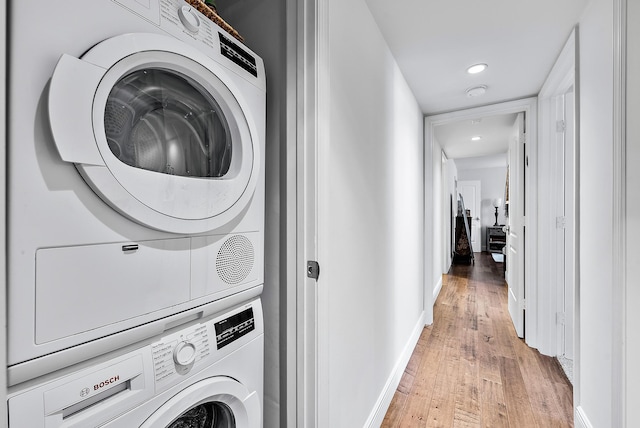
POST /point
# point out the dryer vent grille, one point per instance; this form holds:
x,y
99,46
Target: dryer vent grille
x,y
235,259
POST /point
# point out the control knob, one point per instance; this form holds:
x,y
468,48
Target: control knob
x,y
184,355
189,18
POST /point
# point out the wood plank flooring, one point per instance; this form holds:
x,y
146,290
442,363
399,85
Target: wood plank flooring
x,y
469,369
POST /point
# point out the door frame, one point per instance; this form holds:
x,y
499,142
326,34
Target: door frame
x,y
530,107
560,80
307,103
3,211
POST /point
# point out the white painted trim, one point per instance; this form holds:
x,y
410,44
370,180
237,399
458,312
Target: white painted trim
x,y
436,290
580,419
311,100
577,371
530,107
619,226
429,232
561,77
560,80
384,400
3,211
289,259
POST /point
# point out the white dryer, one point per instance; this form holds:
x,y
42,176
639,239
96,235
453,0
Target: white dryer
x,y
205,374
135,172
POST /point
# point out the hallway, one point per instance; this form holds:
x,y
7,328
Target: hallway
x,y
469,369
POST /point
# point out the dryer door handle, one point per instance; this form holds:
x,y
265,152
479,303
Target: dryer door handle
x,y
71,92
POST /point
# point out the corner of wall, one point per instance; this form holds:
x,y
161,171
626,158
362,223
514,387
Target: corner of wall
x,y
580,419
384,400
437,288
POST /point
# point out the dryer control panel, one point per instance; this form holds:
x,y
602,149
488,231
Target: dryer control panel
x,y
186,22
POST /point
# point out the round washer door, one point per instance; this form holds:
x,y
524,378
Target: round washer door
x,y
159,131
217,402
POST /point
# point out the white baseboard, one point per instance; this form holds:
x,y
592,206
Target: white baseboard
x,y
384,400
581,419
437,288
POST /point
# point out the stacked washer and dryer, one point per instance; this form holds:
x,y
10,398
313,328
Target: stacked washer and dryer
x,y
135,218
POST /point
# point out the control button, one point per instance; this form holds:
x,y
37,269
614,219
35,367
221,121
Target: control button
x,y
189,18
184,354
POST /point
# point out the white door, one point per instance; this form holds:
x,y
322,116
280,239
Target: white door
x,y
515,235
471,193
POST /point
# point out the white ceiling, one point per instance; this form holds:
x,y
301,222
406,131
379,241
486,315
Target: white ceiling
x,y
434,41
494,131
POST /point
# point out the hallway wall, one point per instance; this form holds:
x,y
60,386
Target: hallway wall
x,y
493,182
371,219
633,219
450,210
596,214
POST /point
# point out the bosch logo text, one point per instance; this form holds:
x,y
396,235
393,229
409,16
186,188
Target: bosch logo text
x,y
107,382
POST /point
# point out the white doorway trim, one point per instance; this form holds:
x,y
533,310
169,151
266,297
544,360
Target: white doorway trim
x,y
550,257
303,308
530,108
3,209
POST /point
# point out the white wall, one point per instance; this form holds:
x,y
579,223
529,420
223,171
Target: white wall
x,y
493,182
438,216
269,41
371,218
450,177
633,216
595,222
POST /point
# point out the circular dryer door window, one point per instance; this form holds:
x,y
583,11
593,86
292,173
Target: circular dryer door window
x,y
163,133
162,121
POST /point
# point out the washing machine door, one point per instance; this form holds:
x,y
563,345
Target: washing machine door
x,y
163,133
218,402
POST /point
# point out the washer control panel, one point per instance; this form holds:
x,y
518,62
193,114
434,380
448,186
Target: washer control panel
x,y
178,353
98,392
199,345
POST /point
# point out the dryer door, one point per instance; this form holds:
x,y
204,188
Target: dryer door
x,y
218,402
159,130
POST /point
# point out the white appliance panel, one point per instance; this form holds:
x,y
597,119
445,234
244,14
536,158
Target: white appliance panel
x,y
153,382
219,263
51,207
79,289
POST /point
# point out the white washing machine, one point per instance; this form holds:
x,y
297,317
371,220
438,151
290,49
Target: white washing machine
x,y
206,374
135,176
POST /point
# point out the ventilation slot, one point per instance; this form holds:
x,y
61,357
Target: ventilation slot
x,y
235,259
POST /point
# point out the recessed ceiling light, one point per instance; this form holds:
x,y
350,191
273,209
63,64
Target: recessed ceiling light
x,y
476,91
476,121
477,68
476,138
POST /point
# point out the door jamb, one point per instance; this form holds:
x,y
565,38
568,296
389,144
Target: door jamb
x,y
311,101
560,80
529,106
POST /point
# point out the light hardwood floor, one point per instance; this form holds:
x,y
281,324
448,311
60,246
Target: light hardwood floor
x,y
469,369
